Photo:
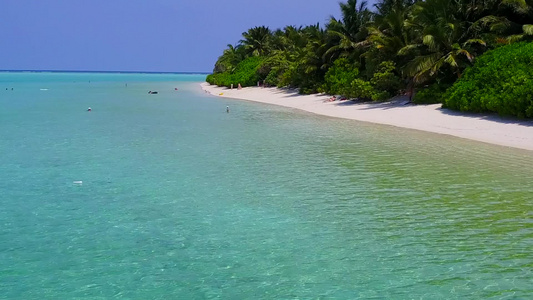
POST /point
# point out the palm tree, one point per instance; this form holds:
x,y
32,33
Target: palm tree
x,y
349,35
256,40
229,59
501,20
385,7
445,39
288,38
302,57
314,62
515,18
389,32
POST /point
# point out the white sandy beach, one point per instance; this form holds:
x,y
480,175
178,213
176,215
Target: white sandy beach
x,y
430,118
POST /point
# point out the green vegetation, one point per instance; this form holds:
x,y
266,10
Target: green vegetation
x,y
339,77
431,94
399,46
246,73
501,81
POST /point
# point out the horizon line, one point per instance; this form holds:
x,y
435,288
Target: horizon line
x,y
114,72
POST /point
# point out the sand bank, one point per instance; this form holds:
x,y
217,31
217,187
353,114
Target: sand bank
x,y
430,118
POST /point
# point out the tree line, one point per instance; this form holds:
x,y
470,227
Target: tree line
x,y
399,46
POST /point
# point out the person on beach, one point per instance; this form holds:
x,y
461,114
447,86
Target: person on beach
x,y
239,86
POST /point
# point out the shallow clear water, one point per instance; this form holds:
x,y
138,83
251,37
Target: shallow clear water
x,y
182,200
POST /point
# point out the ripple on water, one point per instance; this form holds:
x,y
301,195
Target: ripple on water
x,y
180,198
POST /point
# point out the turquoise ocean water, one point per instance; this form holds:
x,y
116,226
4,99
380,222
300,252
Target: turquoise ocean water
x,y
181,200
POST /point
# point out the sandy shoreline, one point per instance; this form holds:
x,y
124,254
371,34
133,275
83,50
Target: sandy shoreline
x,y
430,118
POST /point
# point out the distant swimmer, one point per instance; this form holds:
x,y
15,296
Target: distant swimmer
x,y
89,109
227,109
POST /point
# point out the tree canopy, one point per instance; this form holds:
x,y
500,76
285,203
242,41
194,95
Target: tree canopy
x,y
377,52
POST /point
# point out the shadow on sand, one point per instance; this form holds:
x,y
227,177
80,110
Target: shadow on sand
x,y
488,116
403,101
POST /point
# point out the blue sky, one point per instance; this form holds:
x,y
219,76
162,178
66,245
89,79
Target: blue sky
x,y
139,35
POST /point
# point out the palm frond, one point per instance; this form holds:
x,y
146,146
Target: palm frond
x,y
407,49
422,64
336,33
475,41
374,31
429,40
528,29
520,6
494,23
449,59
514,38
450,26
465,53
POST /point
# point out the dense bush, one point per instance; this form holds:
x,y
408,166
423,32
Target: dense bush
x,y
339,77
210,79
276,65
343,79
500,81
374,54
246,73
220,79
430,94
361,89
385,78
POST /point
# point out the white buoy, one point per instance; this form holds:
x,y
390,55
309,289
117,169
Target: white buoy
x,y
78,182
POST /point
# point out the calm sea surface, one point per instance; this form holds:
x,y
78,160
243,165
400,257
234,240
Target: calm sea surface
x,y
180,200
